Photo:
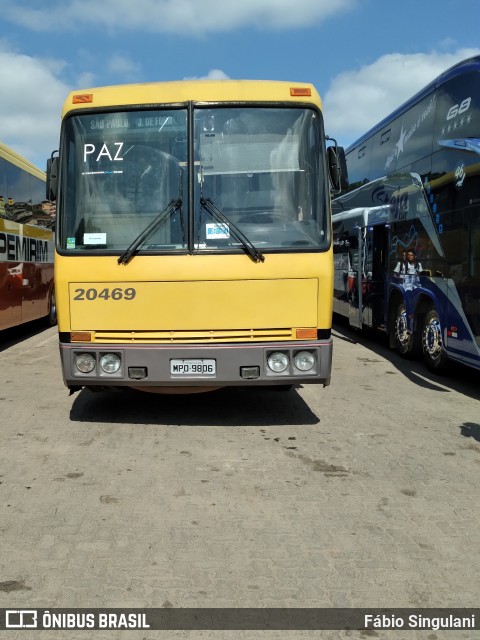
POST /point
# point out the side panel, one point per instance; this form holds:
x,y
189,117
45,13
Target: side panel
x,y
10,294
26,272
37,281
26,241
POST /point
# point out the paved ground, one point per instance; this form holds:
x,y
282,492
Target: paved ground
x,y
365,493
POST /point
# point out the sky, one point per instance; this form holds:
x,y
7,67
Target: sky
x,y
365,57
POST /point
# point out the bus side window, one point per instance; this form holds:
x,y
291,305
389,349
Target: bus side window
x,y
359,165
3,189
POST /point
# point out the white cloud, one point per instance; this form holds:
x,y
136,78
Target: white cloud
x,y
85,80
356,100
176,16
33,96
123,66
213,74
31,104
216,74
117,68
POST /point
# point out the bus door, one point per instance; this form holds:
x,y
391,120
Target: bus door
x,y
355,277
375,269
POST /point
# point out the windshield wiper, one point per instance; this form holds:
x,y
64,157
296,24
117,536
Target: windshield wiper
x,y
162,217
218,215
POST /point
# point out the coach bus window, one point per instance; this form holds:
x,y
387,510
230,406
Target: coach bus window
x,y
471,286
262,168
475,250
3,189
416,138
359,165
122,170
457,112
19,189
385,153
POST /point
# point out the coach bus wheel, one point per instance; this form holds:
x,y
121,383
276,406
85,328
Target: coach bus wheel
x,y
52,309
404,341
432,343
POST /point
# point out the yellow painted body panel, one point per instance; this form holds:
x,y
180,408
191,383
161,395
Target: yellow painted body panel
x,y
152,93
195,293
186,306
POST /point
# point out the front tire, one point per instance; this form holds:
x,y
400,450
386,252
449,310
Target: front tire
x,y
52,309
405,341
432,343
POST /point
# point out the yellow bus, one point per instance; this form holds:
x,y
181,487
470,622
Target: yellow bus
x,y
193,246
26,243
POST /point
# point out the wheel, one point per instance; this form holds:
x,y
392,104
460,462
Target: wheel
x,y
432,343
52,309
406,342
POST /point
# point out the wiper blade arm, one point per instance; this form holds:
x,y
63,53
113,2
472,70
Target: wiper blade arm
x,y
156,222
216,214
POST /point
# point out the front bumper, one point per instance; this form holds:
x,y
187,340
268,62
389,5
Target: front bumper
x,y
236,364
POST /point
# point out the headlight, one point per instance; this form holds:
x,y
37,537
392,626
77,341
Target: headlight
x,y
304,360
110,363
85,362
277,362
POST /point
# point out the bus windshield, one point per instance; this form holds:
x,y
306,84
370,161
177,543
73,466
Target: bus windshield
x,y
262,167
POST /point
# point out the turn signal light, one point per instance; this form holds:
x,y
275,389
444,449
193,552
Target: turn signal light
x,y
300,91
80,336
82,98
306,334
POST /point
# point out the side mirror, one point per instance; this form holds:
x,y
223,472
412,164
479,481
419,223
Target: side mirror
x,y
52,177
342,161
333,169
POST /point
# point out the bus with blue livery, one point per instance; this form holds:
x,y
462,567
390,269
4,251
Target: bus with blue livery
x,y
407,227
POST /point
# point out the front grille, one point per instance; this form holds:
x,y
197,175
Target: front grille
x,y
192,337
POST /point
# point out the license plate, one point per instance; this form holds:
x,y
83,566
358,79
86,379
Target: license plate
x,y
191,367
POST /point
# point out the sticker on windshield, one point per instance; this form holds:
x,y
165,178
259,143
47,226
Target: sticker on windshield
x,y
99,173
94,238
217,231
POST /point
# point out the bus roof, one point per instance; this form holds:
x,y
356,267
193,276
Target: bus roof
x,y
12,156
469,64
178,92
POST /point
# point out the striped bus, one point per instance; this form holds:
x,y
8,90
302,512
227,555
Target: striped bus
x,y
27,221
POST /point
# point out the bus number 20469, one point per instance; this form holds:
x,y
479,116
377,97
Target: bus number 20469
x,y
105,294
